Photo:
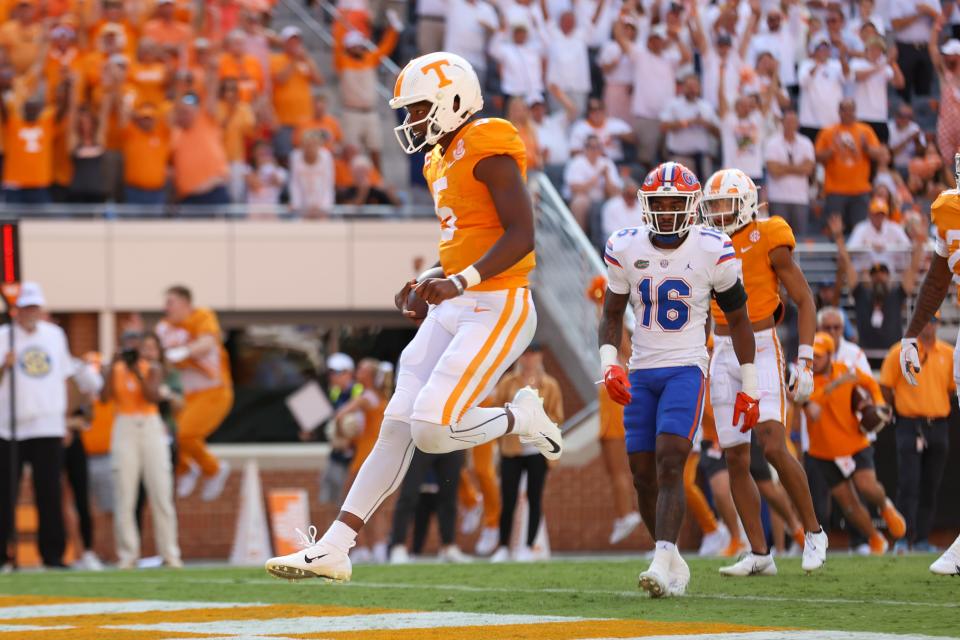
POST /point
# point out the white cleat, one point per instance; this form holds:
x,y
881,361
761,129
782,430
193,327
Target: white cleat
x,y
751,565
453,555
679,575
533,425
470,519
714,543
655,583
814,550
213,487
502,554
187,482
317,560
948,564
623,527
399,554
488,541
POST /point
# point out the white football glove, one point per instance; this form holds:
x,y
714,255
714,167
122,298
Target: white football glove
x,y
800,383
177,354
909,360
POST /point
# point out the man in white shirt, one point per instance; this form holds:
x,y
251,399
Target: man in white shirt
x,y
791,159
470,24
41,364
905,136
690,124
553,135
568,64
621,211
912,22
833,320
431,19
589,179
610,131
878,240
871,75
617,67
781,42
520,58
655,64
821,89
742,134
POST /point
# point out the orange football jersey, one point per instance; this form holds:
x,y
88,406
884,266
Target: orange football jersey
x,y
469,225
753,244
837,433
211,371
945,214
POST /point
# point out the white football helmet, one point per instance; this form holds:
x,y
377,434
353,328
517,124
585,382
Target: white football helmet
x,y
730,200
449,84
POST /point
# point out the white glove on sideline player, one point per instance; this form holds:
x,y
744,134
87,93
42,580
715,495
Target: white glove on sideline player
x,y
177,354
909,360
800,383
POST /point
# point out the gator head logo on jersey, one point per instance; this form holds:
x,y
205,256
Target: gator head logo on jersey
x,y
729,200
440,92
668,199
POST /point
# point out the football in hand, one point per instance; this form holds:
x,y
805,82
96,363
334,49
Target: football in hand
x,y
417,304
872,417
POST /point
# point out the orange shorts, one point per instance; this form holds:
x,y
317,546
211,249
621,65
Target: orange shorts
x,y
611,417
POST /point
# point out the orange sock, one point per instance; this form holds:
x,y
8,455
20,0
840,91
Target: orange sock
x,y
735,548
878,544
799,536
696,501
895,522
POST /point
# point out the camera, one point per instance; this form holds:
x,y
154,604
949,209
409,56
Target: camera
x,y
130,357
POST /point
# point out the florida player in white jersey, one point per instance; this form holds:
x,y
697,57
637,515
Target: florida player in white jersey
x,y
669,269
945,215
482,316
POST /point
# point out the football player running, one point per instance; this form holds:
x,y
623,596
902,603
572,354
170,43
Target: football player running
x,y
764,249
481,317
945,266
669,269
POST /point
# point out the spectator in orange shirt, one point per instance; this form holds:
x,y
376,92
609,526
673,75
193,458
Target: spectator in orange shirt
x,y
321,120
164,28
63,58
115,18
28,167
845,151
199,160
110,42
238,121
357,66
146,153
364,184
23,36
294,75
239,65
192,77
149,73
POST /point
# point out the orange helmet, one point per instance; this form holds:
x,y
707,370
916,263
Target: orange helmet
x,y
669,180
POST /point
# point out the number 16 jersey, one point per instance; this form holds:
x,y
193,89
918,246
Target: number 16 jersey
x,y
670,290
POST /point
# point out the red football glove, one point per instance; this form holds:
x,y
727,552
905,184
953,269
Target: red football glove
x,y
617,384
748,408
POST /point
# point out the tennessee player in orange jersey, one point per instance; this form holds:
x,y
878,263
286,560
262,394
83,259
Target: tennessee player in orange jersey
x,y
944,268
481,316
764,248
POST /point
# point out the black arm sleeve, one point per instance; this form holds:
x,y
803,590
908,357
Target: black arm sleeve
x,y
731,299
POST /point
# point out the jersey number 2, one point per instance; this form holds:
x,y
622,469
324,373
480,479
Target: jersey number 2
x,y
671,310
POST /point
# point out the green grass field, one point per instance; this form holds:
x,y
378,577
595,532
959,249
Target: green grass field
x,y
892,594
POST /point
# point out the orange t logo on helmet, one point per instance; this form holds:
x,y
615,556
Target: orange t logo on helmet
x,y
437,67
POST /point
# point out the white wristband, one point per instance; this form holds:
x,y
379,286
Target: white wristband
x,y
805,352
608,357
748,380
471,276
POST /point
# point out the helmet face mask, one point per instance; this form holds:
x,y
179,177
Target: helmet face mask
x,y
730,201
414,136
669,198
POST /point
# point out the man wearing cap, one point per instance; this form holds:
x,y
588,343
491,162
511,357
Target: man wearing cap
x,y
690,124
922,430
839,447
913,22
780,41
115,18
821,81
879,303
164,28
722,57
872,73
198,155
294,77
146,148
878,239
519,55
468,31
655,65
357,67
341,389
41,365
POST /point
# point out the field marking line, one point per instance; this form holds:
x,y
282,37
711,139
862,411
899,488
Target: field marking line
x,y
102,608
788,635
604,592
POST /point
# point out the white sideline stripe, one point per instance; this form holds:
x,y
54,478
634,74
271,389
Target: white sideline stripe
x,y
101,608
9,628
604,592
787,635
320,624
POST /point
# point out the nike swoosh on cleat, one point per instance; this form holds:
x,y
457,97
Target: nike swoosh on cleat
x,y
556,447
308,559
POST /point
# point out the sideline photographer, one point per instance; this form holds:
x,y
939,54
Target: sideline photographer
x,y
139,450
